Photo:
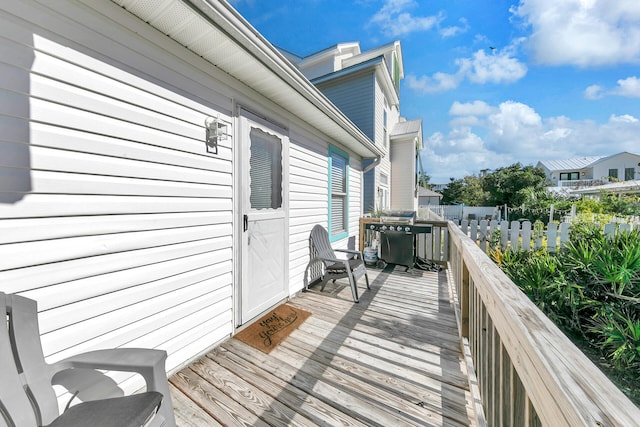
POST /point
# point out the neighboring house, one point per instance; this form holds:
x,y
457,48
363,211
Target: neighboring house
x,y
591,171
428,197
366,87
117,217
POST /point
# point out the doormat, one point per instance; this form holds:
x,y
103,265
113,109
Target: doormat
x,y
268,331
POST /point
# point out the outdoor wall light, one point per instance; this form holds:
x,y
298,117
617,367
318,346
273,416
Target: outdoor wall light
x,y
216,131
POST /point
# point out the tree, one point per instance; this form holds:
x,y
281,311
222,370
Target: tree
x,y
422,179
466,191
504,185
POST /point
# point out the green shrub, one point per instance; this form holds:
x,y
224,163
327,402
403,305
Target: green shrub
x,y
591,290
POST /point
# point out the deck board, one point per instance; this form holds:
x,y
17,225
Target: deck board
x,y
393,359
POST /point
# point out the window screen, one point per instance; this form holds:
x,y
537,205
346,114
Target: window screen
x,y
629,174
338,192
265,171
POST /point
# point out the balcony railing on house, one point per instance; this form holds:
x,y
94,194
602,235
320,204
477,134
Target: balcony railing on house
x,y
581,183
529,373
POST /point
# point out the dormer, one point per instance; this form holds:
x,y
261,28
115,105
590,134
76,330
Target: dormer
x,y
327,61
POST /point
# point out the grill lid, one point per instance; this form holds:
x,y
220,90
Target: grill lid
x,y
398,217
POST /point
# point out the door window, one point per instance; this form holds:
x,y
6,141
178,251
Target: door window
x,y
265,171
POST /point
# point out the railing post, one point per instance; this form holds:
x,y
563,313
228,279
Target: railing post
x,y
464,301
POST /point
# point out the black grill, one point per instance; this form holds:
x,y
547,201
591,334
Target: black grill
x,y
397,237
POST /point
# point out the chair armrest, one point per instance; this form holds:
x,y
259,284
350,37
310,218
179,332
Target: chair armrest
x,y
349,251
147,362
330,259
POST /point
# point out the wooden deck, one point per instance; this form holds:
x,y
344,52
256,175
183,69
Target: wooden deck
x,y
391,360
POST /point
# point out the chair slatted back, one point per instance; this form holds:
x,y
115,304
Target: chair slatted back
x,y
320,241
15,406
23,338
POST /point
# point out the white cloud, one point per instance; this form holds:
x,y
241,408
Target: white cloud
x,y
475,108
395,20
480,68
439,82
487,136
629,87
513,126
582,32
455,30
625,118
493,68
594,92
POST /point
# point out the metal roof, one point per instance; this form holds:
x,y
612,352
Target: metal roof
x,y
570,164
406,127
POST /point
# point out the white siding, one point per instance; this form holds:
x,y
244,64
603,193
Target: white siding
x,y
403,175
111,214
308,200
385,165
619,162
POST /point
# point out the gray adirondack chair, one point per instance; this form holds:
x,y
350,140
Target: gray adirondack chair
x,y
27,397
323,255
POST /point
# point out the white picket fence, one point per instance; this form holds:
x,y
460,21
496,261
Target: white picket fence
x,y
458,212
522,235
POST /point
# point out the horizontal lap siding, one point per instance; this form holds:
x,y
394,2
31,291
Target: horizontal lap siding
x,y
111,215
308,200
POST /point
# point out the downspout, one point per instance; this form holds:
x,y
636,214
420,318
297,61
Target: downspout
x,y
372,165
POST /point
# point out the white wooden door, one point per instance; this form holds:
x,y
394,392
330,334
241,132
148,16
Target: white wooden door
x,y
264,217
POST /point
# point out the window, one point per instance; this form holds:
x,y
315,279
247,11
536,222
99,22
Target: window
x,y
338,194
265,171
383,192
569,176
613,173
385,131
629,174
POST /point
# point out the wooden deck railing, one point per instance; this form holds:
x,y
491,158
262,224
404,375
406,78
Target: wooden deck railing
x,y
529,373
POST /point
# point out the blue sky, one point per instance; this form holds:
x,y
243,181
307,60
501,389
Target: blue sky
x,y
495,81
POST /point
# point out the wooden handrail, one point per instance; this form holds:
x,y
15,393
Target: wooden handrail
x,y
529,373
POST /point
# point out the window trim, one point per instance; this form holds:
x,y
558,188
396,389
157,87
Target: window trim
x,y
336,151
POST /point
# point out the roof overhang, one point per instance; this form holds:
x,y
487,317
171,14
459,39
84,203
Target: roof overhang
x,y
219,34
384,50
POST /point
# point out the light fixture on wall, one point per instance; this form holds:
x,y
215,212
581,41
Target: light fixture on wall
x,y
216,131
